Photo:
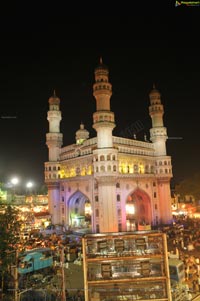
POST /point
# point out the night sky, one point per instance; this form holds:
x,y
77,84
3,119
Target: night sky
x,y
55,47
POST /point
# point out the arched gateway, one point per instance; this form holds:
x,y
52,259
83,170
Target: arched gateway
x,y
138,210
79,211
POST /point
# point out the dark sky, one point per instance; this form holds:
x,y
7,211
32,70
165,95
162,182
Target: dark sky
x,y
55,47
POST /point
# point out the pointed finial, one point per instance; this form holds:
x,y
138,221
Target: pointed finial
x,y
54,93
154,86
101,61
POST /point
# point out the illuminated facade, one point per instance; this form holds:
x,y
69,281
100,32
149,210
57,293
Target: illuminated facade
x,y
108,183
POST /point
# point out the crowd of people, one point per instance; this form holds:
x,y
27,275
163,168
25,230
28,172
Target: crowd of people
x,y
184,243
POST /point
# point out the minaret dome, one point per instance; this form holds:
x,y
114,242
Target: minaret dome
x,y
82,134
54,100
154,96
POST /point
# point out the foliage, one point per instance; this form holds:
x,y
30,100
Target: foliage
x,y
190,186
9,230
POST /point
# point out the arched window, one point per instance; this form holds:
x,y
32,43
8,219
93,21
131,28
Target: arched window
x,y
97,212
102,168
118,197
118,185
109,168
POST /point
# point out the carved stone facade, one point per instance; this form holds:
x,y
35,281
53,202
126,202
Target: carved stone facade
x,y
108,183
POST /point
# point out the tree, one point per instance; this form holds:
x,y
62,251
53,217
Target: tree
x,y
9,237
190,186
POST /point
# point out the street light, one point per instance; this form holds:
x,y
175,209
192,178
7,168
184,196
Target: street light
x,y
29,185
14,182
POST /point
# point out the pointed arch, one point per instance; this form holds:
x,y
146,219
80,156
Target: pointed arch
x,y
138,209
79,210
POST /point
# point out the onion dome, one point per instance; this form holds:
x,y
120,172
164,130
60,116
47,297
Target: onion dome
x,y
82,134
154,95
54,100
101,66
154,92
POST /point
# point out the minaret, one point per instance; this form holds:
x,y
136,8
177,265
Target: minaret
x,y
54,137
54,140
105,156
103,118
163,169
158,133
